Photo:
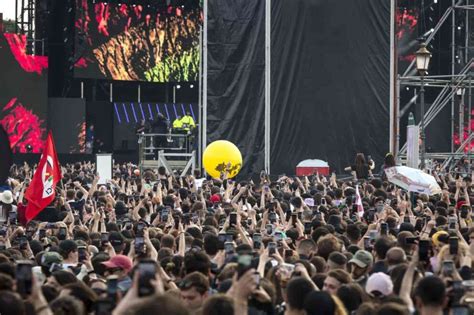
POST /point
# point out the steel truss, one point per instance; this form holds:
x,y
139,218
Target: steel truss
x,y
450,85
25,22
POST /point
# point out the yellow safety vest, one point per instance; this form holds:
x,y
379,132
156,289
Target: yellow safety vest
x,y
177,124
189,121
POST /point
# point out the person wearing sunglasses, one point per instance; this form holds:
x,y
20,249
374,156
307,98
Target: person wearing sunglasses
x,y
120,266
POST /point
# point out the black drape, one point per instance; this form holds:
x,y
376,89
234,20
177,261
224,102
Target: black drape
x,y
66,122
236,67
330,81
6,157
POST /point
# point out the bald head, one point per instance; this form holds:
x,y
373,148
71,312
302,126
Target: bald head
x,y
395,256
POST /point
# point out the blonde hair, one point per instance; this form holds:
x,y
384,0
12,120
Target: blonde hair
x,y
339,309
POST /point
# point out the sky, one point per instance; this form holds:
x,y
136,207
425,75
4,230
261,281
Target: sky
x,y
7,7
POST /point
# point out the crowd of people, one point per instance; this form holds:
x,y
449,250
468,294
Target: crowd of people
x,y
157,243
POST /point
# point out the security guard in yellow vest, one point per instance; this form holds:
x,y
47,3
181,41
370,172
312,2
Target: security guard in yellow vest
x,y
188,123
184,125
178,124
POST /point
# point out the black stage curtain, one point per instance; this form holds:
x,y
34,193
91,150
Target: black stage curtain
x,y
330,81
100,114
236,70
67,118
6,156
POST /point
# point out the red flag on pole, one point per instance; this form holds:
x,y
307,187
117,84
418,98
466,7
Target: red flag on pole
x,y
42,189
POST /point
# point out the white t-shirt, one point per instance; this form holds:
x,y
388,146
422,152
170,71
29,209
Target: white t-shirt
x,y
199,182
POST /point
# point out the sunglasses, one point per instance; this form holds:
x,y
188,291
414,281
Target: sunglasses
x,y
113,270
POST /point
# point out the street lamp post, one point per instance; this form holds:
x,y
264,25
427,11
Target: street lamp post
x,y
423,57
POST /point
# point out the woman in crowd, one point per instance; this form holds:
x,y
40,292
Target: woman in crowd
x,y
180,245
361,169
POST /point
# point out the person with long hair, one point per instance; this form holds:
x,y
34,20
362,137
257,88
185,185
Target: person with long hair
x,y
361,168
388,162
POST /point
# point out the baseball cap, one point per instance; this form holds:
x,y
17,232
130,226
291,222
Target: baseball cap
x,y
49,258
116,238
119,261
215,198
309,202
362,258
379,282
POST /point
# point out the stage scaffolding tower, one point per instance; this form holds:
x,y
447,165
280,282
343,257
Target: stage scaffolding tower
x,y
450,86
25,22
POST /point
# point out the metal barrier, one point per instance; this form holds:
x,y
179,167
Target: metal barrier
x,y
174,151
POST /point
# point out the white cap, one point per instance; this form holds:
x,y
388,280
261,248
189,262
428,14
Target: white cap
x,y
379,282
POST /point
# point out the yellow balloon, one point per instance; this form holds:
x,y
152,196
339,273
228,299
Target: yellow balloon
x,y
222,156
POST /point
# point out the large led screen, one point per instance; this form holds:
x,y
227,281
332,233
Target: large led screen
x,y
23,95
152,43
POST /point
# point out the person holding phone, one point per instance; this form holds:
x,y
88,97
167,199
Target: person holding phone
x,y
30,288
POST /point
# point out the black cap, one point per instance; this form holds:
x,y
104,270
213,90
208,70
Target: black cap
x,y
116,238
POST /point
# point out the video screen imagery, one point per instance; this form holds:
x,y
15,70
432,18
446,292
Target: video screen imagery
x,y
407,33
23,95
152,43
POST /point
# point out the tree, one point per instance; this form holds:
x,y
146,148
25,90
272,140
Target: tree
x,y
9,26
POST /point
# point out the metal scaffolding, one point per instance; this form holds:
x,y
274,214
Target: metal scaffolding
x,y
25,22
449,85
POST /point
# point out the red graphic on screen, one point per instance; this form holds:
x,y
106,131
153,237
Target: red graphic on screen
x,y
81,139
23,127
137,42
29,63
406,26
81,63
24,94
458,140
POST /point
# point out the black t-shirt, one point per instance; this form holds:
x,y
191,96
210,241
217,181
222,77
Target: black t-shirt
x,y
49,214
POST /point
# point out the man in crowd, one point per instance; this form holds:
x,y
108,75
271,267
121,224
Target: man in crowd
x,y
360,266
194,290
295,246
120,267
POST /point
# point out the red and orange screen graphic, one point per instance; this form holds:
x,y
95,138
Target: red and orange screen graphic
x,y
137,42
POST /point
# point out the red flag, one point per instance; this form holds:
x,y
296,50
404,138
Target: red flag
x,y
42,189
